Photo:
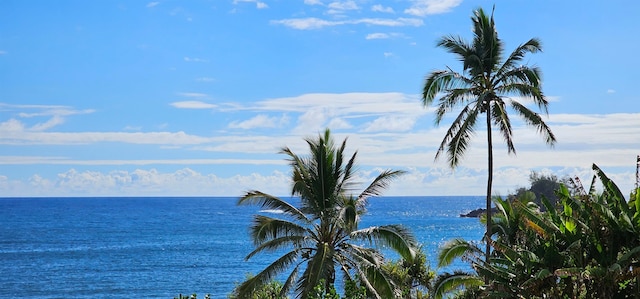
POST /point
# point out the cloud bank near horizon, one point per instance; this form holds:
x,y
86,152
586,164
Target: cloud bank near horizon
x,y
389,130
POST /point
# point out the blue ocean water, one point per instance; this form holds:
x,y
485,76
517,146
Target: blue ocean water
x,y
160,247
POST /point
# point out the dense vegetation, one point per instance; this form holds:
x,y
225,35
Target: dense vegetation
x,y
587,245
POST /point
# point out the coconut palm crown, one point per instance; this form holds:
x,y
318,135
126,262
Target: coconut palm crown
x,y
320,235
485,86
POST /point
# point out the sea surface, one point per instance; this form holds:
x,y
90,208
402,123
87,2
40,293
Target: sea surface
x,y
161,247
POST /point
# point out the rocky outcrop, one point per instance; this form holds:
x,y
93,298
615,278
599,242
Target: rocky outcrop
x,y
477,213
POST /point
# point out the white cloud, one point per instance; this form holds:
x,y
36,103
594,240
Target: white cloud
x,y
259,4
152,4
52,122
193,59
188,182
3,52
56,116
339,7
377,36
378,126
611,91
192,94
205,79
12,125
380,35
52,160
313,2
390,123
380,8
260,121
387,54
147,182
17,137
422,8
315,23
338,123
193,105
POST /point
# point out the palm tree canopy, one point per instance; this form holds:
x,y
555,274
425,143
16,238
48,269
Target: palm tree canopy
x,y
488,83
321,235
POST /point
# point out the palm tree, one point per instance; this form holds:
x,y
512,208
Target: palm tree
x,y
484,87
322,234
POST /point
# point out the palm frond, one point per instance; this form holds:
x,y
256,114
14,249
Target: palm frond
x,y
379,183
397,237
318,268
296,241
535,120
265,200
447,283
458,135
266,228
379,284
456,248
270,272
443,80
486,44
501,119
452,99
531,46
456,45
290,281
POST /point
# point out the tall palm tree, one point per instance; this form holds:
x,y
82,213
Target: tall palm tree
x,y
321,234
484,87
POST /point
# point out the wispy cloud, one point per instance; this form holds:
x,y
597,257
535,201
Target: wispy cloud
x,y
205,79
339,7
193,59
260,121
193,105
390,123
52,122
192,94
322,110
259,4
3,52
20,136
55,160
380,8
56,115
316,23
422,8
152,4
611,91
312,2
379,35
144,182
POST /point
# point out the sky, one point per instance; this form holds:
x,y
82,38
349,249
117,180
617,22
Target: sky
x,y
196,98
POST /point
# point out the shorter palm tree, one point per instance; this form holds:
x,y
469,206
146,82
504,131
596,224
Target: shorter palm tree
x,y
321,234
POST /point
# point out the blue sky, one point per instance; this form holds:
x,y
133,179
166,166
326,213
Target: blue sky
x,y
186,98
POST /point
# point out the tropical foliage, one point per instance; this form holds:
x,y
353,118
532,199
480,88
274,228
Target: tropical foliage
x,y
487,85
320,236
413,278
585,246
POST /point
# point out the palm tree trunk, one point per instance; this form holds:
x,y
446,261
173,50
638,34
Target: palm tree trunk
x,y
489,183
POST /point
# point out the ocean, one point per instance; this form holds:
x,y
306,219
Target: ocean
x,y
144,247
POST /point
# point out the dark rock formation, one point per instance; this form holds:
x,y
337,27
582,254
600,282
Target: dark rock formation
x,y
477,213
